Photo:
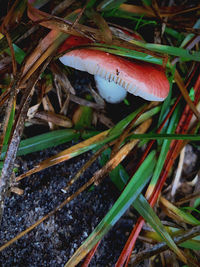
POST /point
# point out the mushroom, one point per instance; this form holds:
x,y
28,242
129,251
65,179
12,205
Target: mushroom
x,y
115,76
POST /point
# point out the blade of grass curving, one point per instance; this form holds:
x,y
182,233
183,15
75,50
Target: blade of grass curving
x,y
148,114
184,54
125,52
146,211
178,213
189,37
130,193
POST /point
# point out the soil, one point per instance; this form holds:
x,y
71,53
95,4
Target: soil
x,y
54,241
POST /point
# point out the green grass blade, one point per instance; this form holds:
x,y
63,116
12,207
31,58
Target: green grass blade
x,y
9,126
164,150
108,5
19,53
167,102
120,126
130,193
118,176
43,141
184,54
177,35
143,207
190,137
183,216
125,52
193,244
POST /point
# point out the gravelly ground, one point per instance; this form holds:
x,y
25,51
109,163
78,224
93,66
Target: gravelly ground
x,y
55,240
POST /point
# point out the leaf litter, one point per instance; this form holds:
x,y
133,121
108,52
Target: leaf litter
x,y
43,200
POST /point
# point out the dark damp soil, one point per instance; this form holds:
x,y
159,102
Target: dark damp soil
x,y
55,240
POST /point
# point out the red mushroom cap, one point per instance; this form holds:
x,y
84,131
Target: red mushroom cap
x,y
139,78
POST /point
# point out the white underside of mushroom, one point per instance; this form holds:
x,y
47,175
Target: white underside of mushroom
x,y
109,90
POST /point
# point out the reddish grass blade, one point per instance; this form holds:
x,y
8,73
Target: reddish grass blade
x,y
90,255
172,155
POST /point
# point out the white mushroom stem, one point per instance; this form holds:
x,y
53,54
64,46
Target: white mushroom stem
x,y
109,90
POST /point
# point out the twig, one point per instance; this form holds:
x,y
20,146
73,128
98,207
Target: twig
x,y
162,246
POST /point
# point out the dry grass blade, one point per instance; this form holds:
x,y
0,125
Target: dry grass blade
x,y
36,54
188,198
173,212
85,166
121,154
56,119
84,102
61,78
63,25
45,48
137,10
14,15
48,107
15,136
103,26
64,155
185,94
